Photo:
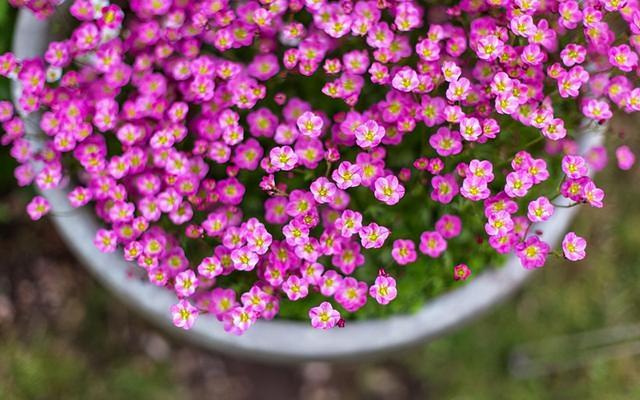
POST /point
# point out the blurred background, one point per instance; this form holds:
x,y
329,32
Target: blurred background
x,y
62,336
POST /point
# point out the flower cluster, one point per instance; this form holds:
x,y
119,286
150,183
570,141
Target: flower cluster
x,y
248,155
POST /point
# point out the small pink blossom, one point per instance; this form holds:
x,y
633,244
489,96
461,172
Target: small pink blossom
x,y
540,209
574,246
388,190
369,134
184,315
384,289
625,158
432,244
310,124
324,316
532,252
38,207
373,236
461,272
404,251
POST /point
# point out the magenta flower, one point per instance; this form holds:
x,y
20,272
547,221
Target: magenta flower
x,y
475,188
323,190
449,226
432,244
295,287
518,184
186,283
324,316
573,247
540,209
373,236
574,166
184,315
623,57
349,223
388,190
532,252
283,158
499,223
446,142
310,124
444,188
625,157
244,259
404,251
405,80
238,320
369,134
593,195
38,207
461,272
384,289
352,294
347,175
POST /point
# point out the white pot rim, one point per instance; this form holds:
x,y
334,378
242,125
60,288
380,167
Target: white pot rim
x,y
284,341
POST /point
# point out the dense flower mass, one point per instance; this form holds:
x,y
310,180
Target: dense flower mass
x,y
248,155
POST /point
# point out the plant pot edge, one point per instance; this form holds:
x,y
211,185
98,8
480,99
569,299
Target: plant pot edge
x,y
284,341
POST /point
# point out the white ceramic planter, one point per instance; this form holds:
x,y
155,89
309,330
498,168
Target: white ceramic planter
x,y
284,340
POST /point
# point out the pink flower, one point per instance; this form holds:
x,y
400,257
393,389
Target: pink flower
x,y
458,89
540,210
489,48
573,247
349,223
347,175
499,224
593,195
405,80
384,289
295,288
432,244
210,267
38,207
518,184
373,236
532,252
446,142
238,320
106,241
186,283
324,316
449,226
574,166
310,124
623,57
625,158
369,134
184,315
404,251
244,259
444,188
470,129
323,190
283,158
461,272
388,190
482,169
352,294
475,188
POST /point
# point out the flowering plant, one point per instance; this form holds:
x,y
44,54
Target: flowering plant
x,y
298,157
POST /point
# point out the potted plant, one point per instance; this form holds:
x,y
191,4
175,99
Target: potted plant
x,y
357,167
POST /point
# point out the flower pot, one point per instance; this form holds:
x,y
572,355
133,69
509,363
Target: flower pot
x,y
284,340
